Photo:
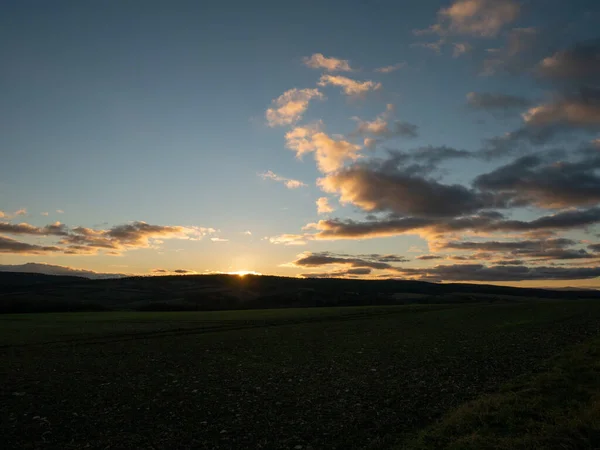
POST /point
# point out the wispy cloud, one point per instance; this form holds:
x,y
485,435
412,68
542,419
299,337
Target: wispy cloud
x,y
88,241
288,182
330,154
288,239
492,101
323,206
391,68
384,126
349,87
318,61
480,18
290,106
460,48
173,272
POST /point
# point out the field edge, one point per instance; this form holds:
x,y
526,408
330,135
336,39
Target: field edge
x,y
556,408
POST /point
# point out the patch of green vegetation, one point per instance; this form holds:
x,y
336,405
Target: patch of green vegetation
x,y
555,409
332,378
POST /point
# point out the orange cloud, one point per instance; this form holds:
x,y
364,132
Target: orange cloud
x,y
349,87
290,106
288,182
323,206
330,154
318,61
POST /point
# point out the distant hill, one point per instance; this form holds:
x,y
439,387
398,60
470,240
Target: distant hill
x,y
21,292
51,269
23,279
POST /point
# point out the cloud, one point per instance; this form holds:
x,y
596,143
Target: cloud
x,y
581,111
218,239
352,273
492,102
51,269
318,61
81,240
247,233
392,68
431,156
429,257
547,182
288,182
19,212
60,211
522,46
435,47
323,206
55,229
173,272
330,154
288,239
334,229
8,245
323,259
289,107
372,261
383,186
480,18
546,249
483,223
349,87
383,126
460,48
371,143
523,246
566,116
479,272
42,214
579,64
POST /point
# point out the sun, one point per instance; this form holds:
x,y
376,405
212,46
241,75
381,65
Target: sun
x,y
243,273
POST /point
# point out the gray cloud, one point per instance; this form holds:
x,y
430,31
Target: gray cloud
x,y
383,186
505,246
81,240
579,64
547,182
322,259
429,257
8,245
479,272
485,223
171,272
55,229
548,249
339,273
494,102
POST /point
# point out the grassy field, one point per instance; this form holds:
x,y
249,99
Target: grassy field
x,y
431,376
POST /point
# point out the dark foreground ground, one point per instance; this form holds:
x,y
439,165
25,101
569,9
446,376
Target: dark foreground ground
x,y
369,377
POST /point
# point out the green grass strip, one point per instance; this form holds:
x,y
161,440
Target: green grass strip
x,y
555,409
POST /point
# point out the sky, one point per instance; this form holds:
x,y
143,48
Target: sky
x,y
446,141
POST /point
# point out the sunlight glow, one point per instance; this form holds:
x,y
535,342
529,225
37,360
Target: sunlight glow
x,y
242,273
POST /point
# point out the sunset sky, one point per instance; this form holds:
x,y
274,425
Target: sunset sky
x,y
451,141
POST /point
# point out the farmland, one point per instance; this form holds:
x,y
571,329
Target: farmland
x,y
312,378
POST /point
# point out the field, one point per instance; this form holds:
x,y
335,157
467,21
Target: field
x,y
423,376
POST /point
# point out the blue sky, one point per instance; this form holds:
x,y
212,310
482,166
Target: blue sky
x,y
121,112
